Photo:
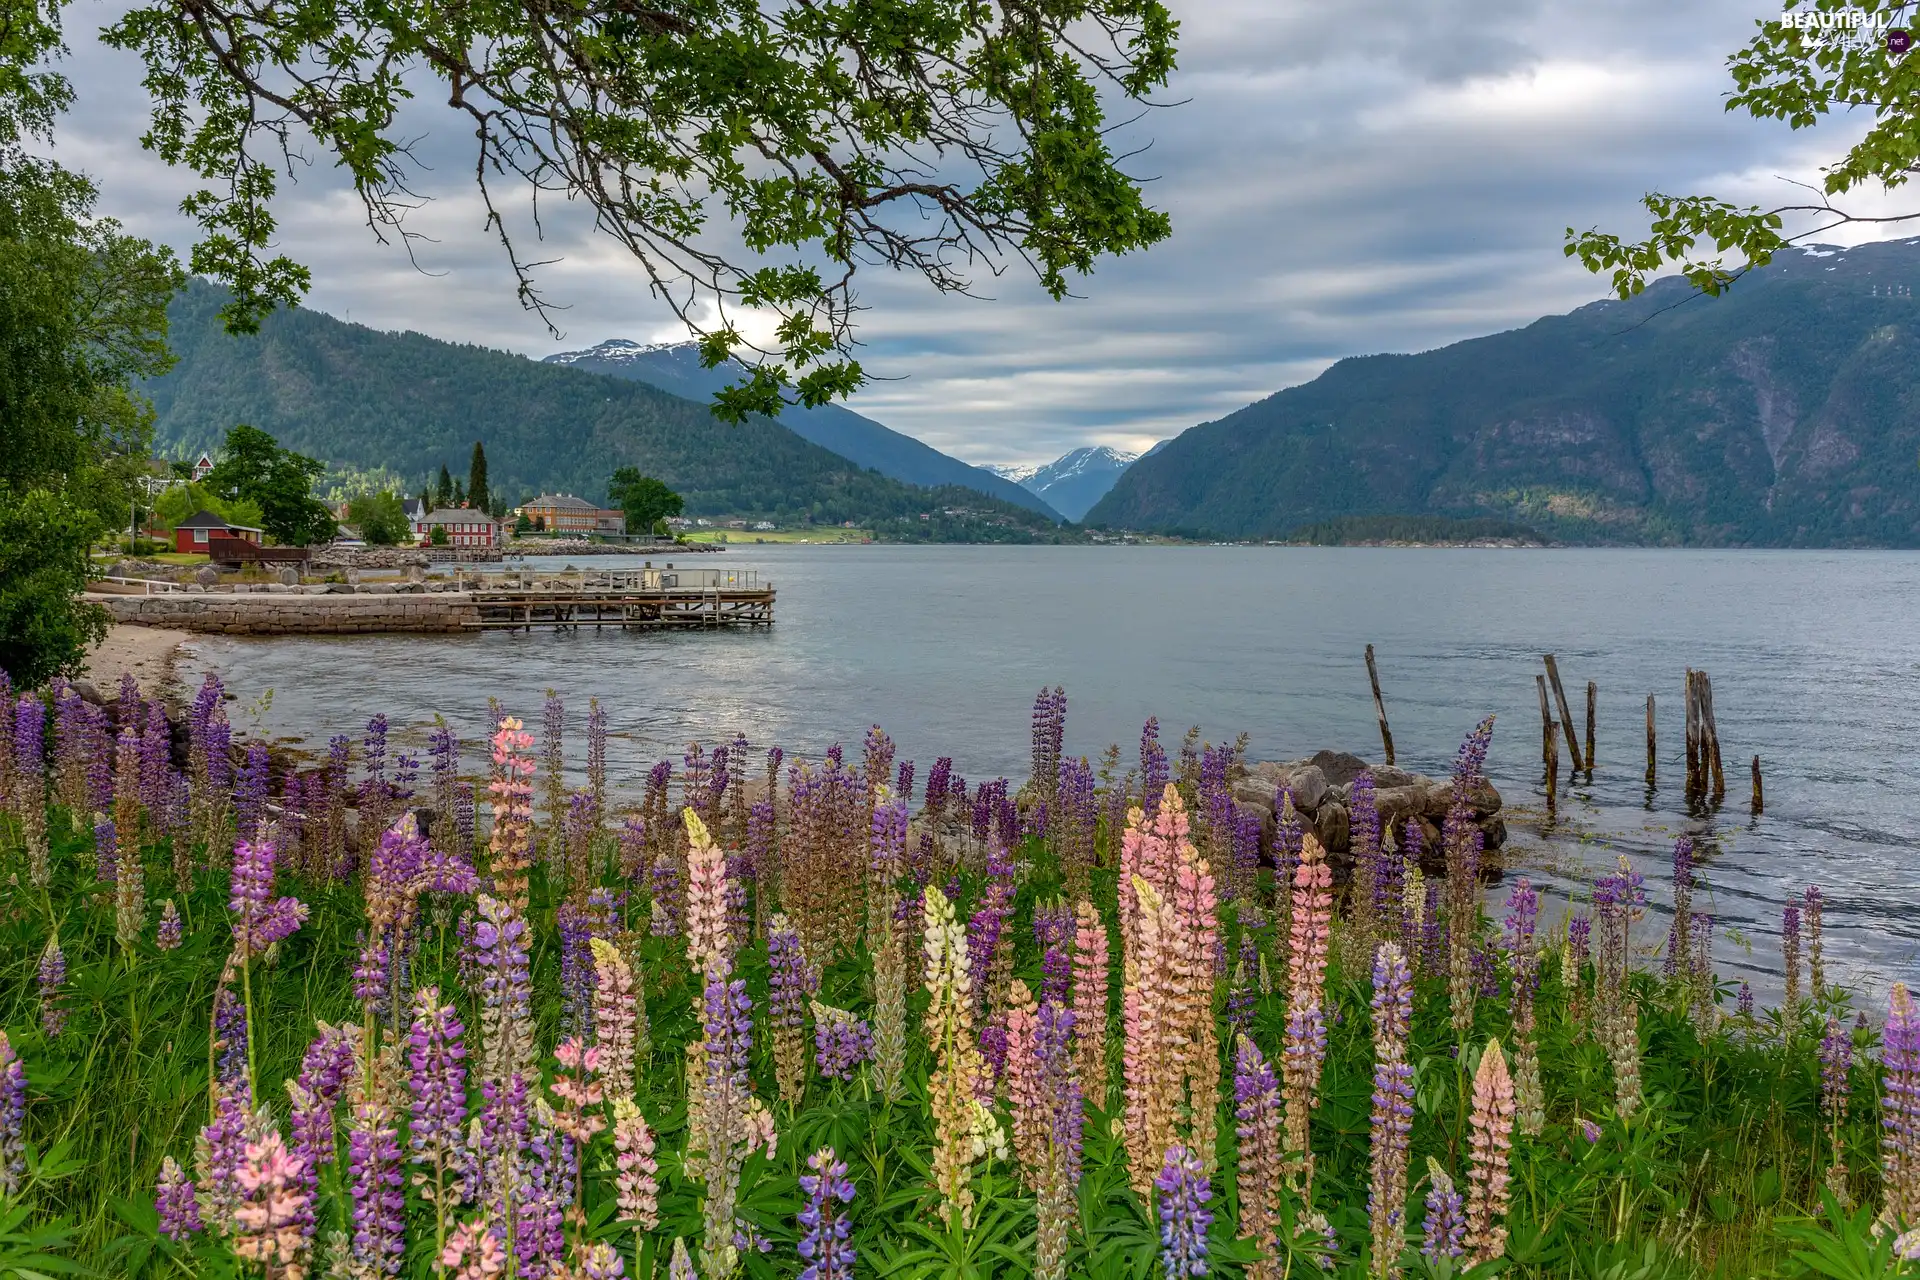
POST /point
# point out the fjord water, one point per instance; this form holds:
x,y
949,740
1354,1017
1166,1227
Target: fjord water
x,y
1815,660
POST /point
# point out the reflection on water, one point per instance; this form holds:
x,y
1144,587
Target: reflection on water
x,y
1815,665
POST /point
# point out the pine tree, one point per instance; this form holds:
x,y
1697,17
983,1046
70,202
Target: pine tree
x,y
459,494
477,492
443,495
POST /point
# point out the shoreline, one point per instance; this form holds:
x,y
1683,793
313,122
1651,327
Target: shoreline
x,y
150,654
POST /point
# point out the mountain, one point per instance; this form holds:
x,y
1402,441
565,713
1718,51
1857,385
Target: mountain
x,y
1073,482
1784,413
675,367
357,397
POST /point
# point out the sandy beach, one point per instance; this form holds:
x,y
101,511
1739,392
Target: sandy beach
x,y
148,653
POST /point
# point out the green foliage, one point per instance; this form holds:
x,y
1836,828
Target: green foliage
x,y
1348,530
439,537
806,123
381,519
1801,76
255,468
45,538
646,500
184,501
1784,415
408,402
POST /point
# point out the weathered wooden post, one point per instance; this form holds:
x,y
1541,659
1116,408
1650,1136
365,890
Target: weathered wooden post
x,y
1759,797
1693,735
1592,693
1712,738
1566,715
1379,706
1651,773
1547,729
1553,766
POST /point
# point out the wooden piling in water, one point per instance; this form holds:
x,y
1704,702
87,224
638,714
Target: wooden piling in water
x,y
1759,796
1712,738
1547,729
1651,755
1379,706
1553,765
1566,715
1693,734
1592,694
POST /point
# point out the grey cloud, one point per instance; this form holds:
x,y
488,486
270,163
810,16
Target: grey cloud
x,y
1343,179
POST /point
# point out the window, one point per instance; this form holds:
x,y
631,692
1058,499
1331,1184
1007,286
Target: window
x,y
199,535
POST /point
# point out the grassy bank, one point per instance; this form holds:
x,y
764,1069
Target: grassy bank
x,y
1105,1048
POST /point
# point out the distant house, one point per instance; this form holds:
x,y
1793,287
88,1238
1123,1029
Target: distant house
x,y
764,526
415,509
198,530
465,527
201,468
564,513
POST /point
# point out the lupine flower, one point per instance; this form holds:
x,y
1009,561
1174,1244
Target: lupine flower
x,y
511,790
29,800
1900,1111
1392,1100
106,852
600,1262
174,1201
681,1267
1184,1219
1064,1119
1523,911
1090,1001
1816,962
1743,1002
13,1118
52,976
325,1073
1492,1137
1445,1229
250,792
964,1130
616,1017
791,982
709,941
841,1041
1790,959
506,1012
1589,1130
1836,1063
437,1087
1306,1039
270,1222
1679,944
723,1112
1256,1095
1154,774
823,1246
374,1181
259,918
635,1171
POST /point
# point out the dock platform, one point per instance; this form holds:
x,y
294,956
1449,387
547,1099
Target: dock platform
x,y
643,599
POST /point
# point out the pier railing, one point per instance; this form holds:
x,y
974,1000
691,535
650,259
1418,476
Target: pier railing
x,y
584,581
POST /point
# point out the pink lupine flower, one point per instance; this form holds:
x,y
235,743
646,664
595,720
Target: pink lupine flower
x,y
1492,1122
709,941
615,1017
636,1173
474,1253
270,1220
511,789
1090,1002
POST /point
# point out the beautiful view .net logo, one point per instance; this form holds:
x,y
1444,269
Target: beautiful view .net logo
x,y
1848,28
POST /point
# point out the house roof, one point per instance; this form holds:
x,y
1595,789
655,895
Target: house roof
x,y
454,515
561,502
207,520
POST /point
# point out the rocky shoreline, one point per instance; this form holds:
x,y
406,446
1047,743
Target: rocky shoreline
x,y
1321,787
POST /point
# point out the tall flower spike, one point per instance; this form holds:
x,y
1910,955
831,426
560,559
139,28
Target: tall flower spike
x,y
1790,962
511,791
13,1118
1184,1219
174,1202
1305,1048
1523,912
270,1222
506,992
1814,910
823,1243
636,1173
709,944
1262,1159
964,1129
1445,1229
1090,1002
1491,1140
437,1088
615,1017
1900,1112
791,982
52,977
374,1181
1392,1106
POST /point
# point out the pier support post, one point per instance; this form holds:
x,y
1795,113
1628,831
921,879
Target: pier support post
x,y
1651,756
1379,706
1566,713
1592,694
1759,796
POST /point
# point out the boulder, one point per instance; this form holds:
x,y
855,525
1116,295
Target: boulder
x,y
1395,803
1254,793
1331,828
289,577
1338,767
1494,831
206,575
1387,776
88,693
1309,786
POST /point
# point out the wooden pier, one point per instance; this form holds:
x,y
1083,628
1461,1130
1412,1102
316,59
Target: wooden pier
x,y
636,599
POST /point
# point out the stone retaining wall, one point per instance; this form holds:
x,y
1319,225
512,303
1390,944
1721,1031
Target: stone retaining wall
x,y
221,613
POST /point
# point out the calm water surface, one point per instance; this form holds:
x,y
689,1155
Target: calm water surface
x,y
1815,659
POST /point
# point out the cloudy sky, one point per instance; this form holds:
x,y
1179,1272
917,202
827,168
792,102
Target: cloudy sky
x,y
1343,179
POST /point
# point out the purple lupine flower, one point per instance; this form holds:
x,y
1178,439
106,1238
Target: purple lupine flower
x,y
1836,1065
1679,948
1392,1119
1815,910
1900,1111
13,1118
576,971
1486,969
156,760
229,1035
372,975
1153,767
437,1085
260,919
1445,1229
29,742
106,852
666,898
175,1202
887,843
540,1223
841,1043
1790,953
1184,1219
99,759
1369,862
1056,974
169,935
1589,1130
374,1181
823,1246
52,976
1580,939
1743,1003
993,1052
903,782
250,792
938,779
225,1138
325,1071
1059,1086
